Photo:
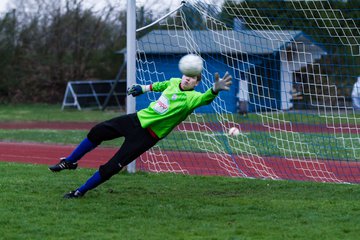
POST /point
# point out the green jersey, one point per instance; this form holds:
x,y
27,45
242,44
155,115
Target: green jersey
x,y
173,106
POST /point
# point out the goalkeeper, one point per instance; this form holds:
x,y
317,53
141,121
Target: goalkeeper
x,y
143,129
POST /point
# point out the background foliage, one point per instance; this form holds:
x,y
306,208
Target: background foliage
x,y
43,48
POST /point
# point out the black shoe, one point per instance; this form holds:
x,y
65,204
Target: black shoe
x,y
62,165
74,194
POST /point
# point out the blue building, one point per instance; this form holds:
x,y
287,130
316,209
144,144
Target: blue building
x,y
262,63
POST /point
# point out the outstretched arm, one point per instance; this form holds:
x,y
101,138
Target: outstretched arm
x,y
137,89
222,84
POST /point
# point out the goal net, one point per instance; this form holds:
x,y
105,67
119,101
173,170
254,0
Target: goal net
x,y
294,64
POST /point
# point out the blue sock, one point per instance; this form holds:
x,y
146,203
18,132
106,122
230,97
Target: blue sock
x,y
91,183
84,147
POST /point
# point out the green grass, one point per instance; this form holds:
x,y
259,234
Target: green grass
x,y
168,206
52,113
65,137
49,113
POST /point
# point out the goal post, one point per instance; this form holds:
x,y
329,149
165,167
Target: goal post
x,y
293,64
131,62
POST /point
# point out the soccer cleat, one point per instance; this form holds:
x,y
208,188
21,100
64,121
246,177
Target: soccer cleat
x,y
73,194
62,165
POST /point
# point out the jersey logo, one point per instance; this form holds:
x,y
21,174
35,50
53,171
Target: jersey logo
x,y
162,105
174,97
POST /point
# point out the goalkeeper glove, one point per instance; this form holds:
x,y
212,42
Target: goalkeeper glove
x,y
223,83
137,89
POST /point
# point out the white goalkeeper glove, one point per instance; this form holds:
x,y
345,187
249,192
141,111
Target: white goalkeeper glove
x,y
223,83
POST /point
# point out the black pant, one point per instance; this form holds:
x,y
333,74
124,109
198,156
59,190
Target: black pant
x,y
137,141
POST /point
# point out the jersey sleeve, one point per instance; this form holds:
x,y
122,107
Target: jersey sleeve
x,y
201,99
160,86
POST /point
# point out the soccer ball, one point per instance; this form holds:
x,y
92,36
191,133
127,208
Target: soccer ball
x,y
234,131
191,65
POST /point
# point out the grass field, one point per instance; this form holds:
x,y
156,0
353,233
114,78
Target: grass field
x,y
167,206
50,113
164,206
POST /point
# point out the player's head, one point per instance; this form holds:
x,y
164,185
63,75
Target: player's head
x,y
189,83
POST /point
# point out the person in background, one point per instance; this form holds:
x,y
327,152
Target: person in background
x,y
355,95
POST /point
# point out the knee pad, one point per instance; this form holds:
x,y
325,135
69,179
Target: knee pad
x,y
109,169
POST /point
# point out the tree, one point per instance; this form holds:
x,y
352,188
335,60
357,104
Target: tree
x,y
57,43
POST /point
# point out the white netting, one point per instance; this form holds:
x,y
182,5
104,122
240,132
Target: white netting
x,y
319,141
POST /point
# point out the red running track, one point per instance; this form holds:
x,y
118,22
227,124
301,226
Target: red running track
x,y
195,163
